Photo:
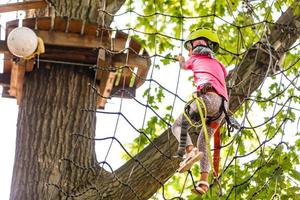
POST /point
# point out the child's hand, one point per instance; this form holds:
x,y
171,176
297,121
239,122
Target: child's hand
x,y
180,58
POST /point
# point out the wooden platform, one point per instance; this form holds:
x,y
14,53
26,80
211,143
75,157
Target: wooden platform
x,y
75,41
27,5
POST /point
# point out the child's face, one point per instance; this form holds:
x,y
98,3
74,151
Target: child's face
x,y
190,51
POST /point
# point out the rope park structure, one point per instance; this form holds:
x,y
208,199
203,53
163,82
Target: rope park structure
x,y
258,161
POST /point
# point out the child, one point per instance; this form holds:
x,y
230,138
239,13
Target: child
x,y
209,77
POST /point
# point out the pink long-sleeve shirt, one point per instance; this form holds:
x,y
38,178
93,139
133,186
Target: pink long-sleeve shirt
x,y
208,70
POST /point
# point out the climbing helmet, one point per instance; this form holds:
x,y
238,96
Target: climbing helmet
x,y
202,37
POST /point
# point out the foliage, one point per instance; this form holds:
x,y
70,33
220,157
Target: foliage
x,y
262,160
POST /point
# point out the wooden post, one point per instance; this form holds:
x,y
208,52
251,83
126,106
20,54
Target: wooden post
x,y
16,81
17,78
106,77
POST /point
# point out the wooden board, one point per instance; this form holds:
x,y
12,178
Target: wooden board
x,y
74,26
9,7
5,79
16,81
107,78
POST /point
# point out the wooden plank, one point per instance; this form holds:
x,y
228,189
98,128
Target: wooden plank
x,y
105,88
73,40
9,7
29,64
5,79
5,92
3,46
16,81
87,55
7,62
13,80
141,73
107,78
133,60
117,91
103,62
20,82
117,59
90,29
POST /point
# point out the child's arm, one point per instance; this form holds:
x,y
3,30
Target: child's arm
x,y
181,61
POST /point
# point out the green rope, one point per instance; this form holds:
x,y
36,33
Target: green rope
x,y
203,114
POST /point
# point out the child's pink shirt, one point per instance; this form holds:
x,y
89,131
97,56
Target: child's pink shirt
x,y
208,70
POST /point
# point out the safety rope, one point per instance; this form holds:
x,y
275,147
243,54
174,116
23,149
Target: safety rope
x,y
215,162
203,115
39,50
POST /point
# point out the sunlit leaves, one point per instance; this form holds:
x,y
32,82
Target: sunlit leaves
x,y
259,162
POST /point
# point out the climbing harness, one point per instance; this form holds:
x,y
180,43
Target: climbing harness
x,y
202,113
197,119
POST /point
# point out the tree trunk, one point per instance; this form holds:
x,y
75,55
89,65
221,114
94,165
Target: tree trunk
x,y
49,116
51,161
93,11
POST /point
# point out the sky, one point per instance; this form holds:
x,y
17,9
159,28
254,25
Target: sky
x,y
8,120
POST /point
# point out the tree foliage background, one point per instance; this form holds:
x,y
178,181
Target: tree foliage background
x,y
262,160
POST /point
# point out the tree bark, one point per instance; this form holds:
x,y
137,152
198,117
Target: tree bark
x,y
93,11
50,115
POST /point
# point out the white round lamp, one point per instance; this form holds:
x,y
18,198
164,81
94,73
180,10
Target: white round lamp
x,y
22,42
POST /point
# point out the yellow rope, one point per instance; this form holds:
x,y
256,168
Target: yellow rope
x,y
40,49
203,114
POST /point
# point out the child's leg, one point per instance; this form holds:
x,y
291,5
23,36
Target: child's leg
x,y
203,186
213,103
186,147
204,163
179,129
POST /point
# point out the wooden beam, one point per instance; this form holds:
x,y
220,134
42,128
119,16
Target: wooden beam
x,y
80,41
20,82
29,64
16,81
105,88
73,40
82,55
9,7
3,46
85,55
133,60
106,77
5,79
5,92
13,80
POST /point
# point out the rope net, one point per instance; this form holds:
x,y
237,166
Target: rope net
x,y
256,159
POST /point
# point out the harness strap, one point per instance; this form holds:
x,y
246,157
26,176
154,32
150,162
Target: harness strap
x,y
209,121
203,114
217,146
